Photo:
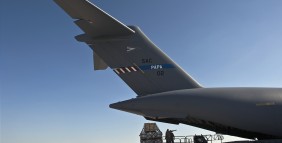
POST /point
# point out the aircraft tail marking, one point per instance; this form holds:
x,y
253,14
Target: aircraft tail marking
x,y
123,70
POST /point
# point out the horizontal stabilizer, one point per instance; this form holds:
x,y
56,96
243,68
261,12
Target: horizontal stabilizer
x,y
92,20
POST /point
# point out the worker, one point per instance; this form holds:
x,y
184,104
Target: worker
x,y
168,136
171,136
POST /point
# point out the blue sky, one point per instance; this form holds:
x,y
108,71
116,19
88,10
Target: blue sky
x,y
50,93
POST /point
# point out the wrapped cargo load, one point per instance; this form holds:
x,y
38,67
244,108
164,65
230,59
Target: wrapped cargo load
x,y
151,134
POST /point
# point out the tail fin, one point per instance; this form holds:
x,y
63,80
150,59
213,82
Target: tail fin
x,y
128,52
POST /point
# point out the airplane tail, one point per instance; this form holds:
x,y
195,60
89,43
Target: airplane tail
x,y
127,51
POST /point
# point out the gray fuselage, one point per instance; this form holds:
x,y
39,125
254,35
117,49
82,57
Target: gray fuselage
x,y
245,112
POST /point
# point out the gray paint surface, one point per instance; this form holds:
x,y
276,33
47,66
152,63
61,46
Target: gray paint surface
x,y
248,109
165,92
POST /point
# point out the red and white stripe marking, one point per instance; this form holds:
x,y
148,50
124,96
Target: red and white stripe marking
x,y
123,70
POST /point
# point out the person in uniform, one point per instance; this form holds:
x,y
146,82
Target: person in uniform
x,y
171,137
168,136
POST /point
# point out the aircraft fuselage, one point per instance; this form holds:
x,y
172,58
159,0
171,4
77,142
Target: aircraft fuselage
x,y
245,112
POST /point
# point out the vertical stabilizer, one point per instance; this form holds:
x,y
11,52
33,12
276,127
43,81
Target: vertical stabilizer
x,y
126,50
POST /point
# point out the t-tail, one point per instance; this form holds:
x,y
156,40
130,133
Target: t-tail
x,y
126,50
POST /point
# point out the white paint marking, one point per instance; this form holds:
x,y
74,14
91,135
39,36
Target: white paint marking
x,y
116,71
128,49
133,69
127,69
122,70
